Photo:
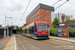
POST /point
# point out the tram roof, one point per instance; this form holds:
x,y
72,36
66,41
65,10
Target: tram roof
x,y
32,24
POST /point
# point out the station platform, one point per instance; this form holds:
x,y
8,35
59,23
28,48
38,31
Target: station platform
x,y
11,45
68,39
8,43
3,42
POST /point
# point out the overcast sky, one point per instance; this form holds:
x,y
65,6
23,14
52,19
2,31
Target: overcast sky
x,y
15,9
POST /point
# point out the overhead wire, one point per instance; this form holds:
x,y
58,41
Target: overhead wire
x,y
61,5
25,11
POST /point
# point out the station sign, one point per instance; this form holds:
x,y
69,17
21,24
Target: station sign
x,y
59,30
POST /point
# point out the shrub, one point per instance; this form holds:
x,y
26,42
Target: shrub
x,y
72,32
53,31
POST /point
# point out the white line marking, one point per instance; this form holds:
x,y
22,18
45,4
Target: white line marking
x,y
15,43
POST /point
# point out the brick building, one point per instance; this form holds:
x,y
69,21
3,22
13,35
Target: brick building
x,y
0,25
72,22
41,13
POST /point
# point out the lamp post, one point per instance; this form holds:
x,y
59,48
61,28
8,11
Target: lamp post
x,y
5,20
7,28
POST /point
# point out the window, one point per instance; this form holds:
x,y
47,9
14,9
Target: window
x,y
31,29
38,12
38,16
49,21
49,16
49,12
44,20
38,20
25,31
44,11
44,16
42,27
35,28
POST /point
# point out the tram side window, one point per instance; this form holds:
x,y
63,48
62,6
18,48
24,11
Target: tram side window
x,y
35,28
25,30
32,29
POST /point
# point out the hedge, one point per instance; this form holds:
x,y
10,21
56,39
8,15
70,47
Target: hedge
x,y
72,32
53,32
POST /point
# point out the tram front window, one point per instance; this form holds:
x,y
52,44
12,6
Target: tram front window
x,y
42,27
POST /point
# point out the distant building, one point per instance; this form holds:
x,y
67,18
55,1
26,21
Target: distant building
x,y
60,16
0,25
72,22
41,13
24,25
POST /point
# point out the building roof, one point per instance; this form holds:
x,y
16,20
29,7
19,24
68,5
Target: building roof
x,y
43,6
3,27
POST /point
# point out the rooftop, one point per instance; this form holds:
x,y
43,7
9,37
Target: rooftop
x,y
43,6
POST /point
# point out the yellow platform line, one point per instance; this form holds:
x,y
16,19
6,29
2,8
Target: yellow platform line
x,y
8,44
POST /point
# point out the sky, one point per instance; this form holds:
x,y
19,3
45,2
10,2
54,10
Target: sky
x,y
16,8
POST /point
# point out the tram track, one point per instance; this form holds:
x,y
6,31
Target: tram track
x,y
42,44
27,41
21,44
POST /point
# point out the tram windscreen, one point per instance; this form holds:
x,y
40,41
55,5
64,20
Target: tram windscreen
x,y
42,27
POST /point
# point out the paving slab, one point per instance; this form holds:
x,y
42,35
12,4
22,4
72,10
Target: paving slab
x,y
3,42
13,44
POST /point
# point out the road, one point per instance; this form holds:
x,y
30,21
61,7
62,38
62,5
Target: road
x,y
26,43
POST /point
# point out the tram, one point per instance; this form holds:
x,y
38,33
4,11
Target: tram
x,y
36,30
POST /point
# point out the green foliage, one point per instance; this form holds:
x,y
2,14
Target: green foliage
x,y
19,29
53,31
72,32
67,18
56,22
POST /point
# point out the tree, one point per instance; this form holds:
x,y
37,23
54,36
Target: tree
x,y
56,22
68,18
19,29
